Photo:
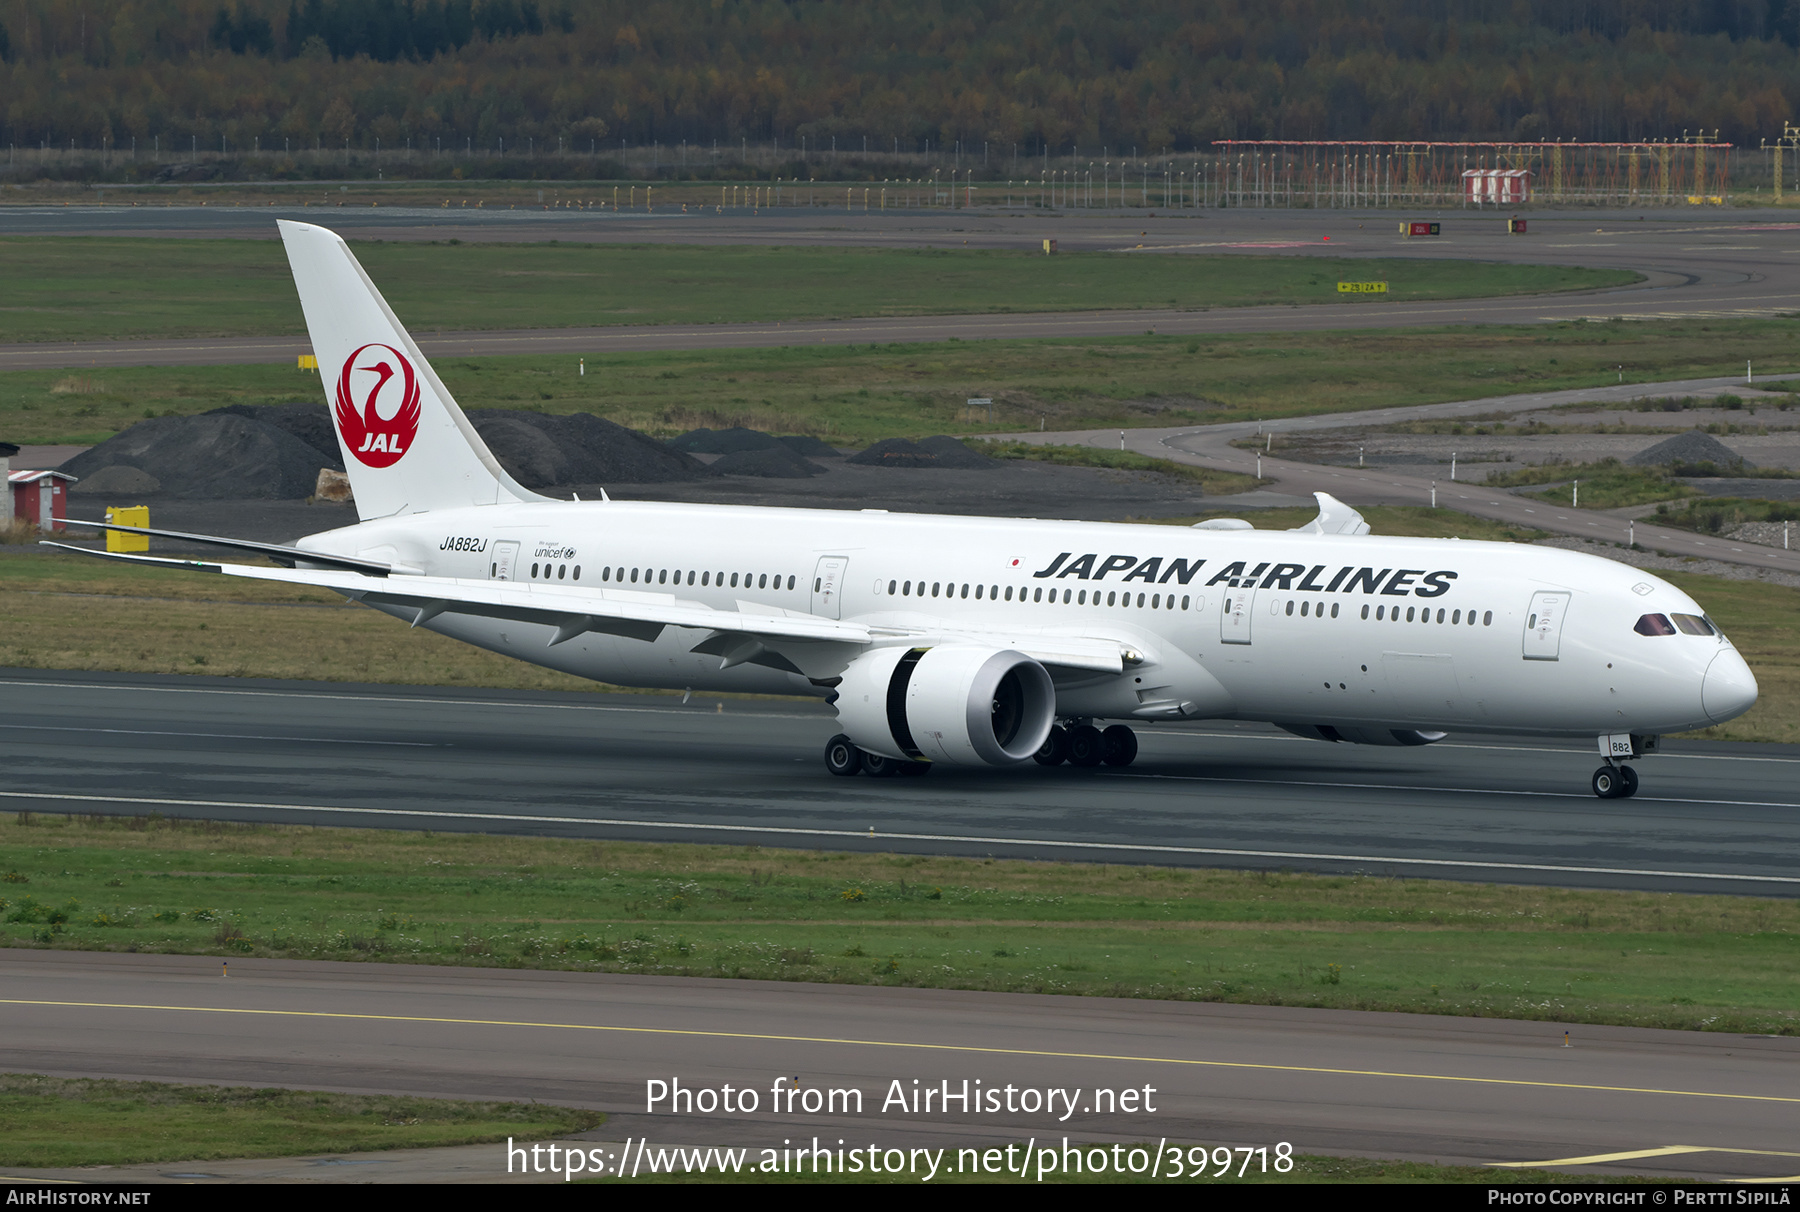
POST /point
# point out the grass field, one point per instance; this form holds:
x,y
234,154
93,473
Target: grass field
x,y
58,1122
1268,938
89,288
853,395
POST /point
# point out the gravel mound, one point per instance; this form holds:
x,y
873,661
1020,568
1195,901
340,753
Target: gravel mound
x,y
209,457
723,441
810,447
776,463
308,421
117,481
1694,446
551,452
938,451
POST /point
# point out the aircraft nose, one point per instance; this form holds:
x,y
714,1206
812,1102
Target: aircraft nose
x,y
1729,689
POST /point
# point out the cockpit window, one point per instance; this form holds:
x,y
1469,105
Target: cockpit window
x,y
1693,624
1655,624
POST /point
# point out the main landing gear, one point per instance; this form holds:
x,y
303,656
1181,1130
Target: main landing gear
x,y
1082,744
843,758
1615,782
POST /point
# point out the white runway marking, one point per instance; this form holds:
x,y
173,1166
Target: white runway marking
x,y
872,835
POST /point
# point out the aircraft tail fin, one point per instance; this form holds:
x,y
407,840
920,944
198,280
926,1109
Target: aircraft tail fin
x,y
407,447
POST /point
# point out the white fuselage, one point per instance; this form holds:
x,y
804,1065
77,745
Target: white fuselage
x,y
1287,627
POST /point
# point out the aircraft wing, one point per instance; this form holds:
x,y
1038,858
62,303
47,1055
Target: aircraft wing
x,y
738,635
573,611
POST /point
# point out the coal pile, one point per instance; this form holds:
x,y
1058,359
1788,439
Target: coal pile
x,y
810,447
777,462
1690,449
938,451
308,421
553,452
738,439
210,457
117,481
723,441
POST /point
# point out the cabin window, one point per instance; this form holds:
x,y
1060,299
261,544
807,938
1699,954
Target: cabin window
x,y
1290,608
562,572
994,592
1038,596
1304,608
577,575
891,588
1487,619
1365,612
1334,607
965,591
734,577
1455,616
1380,613
1184,602
662,578
762,582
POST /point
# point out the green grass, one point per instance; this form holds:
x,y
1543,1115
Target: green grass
x,y
1567,956
1715,515
853,395
1608,484
1212,483
69,289
62,1122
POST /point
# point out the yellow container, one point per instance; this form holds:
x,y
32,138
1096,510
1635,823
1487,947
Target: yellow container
x,y
136,515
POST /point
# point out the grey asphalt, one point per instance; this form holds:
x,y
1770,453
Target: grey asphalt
x,y
1710,816
1695,263
1460,1090
1210,446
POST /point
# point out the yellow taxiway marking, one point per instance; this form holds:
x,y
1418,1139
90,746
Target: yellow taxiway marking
x,y
1632,1155
883,1043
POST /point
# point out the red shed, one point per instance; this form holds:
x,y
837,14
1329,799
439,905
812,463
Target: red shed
x,y
40,497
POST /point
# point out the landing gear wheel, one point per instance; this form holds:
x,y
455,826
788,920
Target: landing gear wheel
x,y
842,757
1609,783
1055,749
1629,779
1118,746
1085,745
876,766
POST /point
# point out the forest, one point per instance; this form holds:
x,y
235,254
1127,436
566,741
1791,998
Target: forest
x,y
1022,77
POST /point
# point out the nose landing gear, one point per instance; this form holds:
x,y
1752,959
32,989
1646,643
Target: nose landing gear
x,y
1615,782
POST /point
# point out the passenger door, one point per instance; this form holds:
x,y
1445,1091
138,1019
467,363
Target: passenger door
x,y
1543,625
828,586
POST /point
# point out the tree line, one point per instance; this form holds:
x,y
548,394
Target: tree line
x,y
1025,77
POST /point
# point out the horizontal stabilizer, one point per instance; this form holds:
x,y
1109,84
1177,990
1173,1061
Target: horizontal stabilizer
x,y
279,552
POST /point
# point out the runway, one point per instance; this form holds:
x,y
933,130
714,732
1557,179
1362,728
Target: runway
x,y
1710,817
1713,264
1458,1090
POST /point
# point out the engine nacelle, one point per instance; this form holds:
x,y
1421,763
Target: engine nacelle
x,y
1364,735
958,704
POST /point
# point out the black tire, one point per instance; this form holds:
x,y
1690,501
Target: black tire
x,y
1608,784
876,766
1055,749
842,757
1086,746
1629,780
1118,746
